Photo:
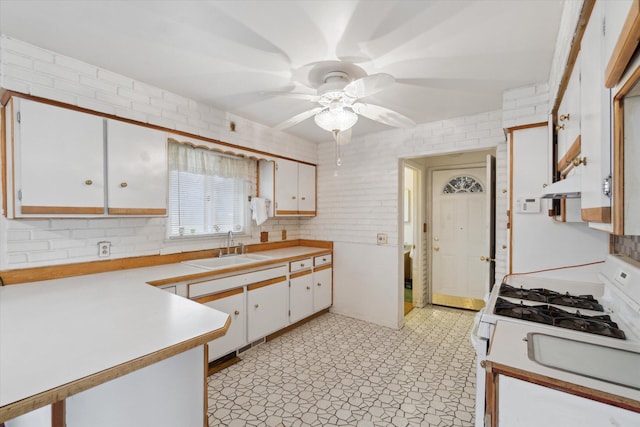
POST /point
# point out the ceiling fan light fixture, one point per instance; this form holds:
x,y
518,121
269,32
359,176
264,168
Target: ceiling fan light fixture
x,y
336,119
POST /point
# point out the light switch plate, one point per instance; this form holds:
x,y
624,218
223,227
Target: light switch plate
x,y
382,239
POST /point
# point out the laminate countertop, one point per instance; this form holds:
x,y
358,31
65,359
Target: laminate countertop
x,y
56,335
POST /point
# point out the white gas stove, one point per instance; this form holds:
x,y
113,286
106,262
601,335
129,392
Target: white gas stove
x,y
608,309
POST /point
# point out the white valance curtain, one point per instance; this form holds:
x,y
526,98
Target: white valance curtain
x,y
202,161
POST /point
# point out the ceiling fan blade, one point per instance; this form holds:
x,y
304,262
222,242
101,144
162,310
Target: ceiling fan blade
x,y
382,115
369,85
298,118
305,96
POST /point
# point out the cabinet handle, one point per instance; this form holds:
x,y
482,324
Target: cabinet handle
x,y
564,117
293,197
560,127
304,198
88,182
257,305
324,260
123,184
302,265
319,284
308,287
236,312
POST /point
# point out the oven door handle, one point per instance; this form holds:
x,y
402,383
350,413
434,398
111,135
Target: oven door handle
x,y
475,338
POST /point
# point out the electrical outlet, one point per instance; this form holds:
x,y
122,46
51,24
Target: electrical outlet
x,y
382,238
104,249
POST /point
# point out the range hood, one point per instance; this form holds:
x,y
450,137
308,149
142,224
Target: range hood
x,y
568,188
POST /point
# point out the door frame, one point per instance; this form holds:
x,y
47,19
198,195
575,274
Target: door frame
x,y
417,213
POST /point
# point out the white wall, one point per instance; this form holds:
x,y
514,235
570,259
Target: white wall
x,y
362,200
32,70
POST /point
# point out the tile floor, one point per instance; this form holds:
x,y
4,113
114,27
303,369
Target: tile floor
x,y
338,371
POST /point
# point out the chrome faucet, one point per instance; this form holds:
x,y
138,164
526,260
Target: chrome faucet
x,y
229,242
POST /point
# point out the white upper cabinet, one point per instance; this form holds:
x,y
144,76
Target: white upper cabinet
x,y
66,163
290,185
58,161
596,120
568,126
137,169
286,187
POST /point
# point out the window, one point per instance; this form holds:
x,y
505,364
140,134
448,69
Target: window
x,y
207,191
463,184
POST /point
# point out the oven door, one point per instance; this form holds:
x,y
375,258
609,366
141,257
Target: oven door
x,y
481,345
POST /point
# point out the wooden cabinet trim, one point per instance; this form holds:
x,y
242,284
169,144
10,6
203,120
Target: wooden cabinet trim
x,y
23,275
323,267
600,214
567,387
278,212
625,46
3,157
573,152
61,210
269,282
148,125
219,295
583,20
300,274
134,211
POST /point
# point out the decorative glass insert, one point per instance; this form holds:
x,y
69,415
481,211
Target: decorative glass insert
x,y
463,184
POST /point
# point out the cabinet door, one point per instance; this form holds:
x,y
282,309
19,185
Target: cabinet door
x,y
323,281
569,112
268,309
300,296
595,122
137,169
306,189
286,187
58,161
232,303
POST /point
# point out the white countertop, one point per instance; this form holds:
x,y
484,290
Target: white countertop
x,y
54,334
58,331
509,348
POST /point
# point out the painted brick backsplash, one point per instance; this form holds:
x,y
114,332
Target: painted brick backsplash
x,y
28,243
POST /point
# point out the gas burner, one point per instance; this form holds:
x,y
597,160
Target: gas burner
x,y
586,302
591,326
520,293
520,311
550,315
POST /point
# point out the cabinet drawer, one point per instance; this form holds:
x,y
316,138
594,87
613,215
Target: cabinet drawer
x,y
217,285
300,264
322,260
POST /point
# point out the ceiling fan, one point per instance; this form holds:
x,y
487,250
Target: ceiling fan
x,y
339,86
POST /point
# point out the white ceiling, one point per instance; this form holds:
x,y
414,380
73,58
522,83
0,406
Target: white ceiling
x,y
450,58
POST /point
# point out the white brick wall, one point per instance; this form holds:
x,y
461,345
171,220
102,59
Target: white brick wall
x,y
28,243
526,105
362,199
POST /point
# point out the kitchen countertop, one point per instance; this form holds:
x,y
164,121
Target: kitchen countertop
x,y
509,349
61,331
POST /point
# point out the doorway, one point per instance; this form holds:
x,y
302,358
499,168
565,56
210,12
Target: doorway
x,y
437,265
410,224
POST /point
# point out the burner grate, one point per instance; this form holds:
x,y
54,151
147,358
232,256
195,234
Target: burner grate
x,y
549,315
585,302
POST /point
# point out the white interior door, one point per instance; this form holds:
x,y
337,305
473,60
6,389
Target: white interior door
x,y
459,239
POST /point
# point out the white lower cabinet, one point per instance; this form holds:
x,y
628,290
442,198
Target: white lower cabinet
x,y
267,308
233,303
322,280
300,296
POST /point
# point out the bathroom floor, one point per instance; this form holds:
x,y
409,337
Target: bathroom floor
x,y
339,371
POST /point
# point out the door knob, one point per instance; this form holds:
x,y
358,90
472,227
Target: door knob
x,y
436,248
487,259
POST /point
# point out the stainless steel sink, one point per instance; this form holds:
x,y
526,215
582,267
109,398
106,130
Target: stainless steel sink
x,y
217,262
613,365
